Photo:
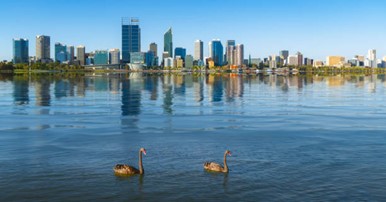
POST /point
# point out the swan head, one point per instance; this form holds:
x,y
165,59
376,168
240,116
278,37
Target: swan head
x,y
228,153
143,150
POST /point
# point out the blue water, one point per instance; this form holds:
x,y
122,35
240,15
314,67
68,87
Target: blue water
x,y
293,138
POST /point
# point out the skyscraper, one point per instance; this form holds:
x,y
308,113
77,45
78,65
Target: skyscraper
x,y
81,54
60,52
217,52
239,54
43,48
70,53
168,42
300,59
131,38
154,47
198,50
101,57
372,58
284,56
231,44
180,52
114,56
20,51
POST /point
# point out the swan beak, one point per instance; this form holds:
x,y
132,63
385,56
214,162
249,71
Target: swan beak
x,y
144,152
230,154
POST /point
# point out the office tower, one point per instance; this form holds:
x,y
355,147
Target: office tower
x,y
210,47
101,57
20,51
239,59
150,58
131,38
60,53
293,60
137,57
199,50
300,59
179,62
335,61
154,47
308,62
217,52
189,62
168,42
284,56
231,44
114,56
81,55
372,58
43,48
168,62
70,53
180,52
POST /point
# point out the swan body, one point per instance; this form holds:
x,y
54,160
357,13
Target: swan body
x,y
215,167
122,169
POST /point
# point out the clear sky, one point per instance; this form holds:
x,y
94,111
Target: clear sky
x,y
316,28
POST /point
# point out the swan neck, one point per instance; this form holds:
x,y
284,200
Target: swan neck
x,y
225,163
141,171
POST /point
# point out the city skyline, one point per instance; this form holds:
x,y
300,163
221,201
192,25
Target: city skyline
x,y
330,32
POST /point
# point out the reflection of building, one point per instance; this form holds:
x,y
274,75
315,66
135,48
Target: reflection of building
x,y
42,92
234,87
215,88
20,91
131,95
20,51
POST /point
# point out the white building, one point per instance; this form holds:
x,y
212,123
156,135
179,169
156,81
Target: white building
x,y
372,58
169,62
115,56
239,59
293,60
198,50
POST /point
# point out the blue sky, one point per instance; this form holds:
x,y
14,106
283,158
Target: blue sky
x,y
315,28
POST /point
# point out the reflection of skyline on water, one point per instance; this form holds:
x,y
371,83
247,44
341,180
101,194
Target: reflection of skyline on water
x,y
163,89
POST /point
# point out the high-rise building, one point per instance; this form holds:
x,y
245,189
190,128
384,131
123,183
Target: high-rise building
x,y
284,56
239,54
168,42
131,38
199,50
372,58
210,49
335,61
292,60
70,53
60,52
150,58
217,52
153,47
101,57
231,44
43,48
81,55
168,62
20,51
300,58
189,62
114,56
180,52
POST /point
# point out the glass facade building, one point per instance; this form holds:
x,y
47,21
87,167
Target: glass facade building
x,y
131,38
217,52
60,52
180,52
101,57
20,51
168,42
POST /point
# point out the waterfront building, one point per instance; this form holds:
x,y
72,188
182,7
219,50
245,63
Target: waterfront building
x,y
198,50
180,52
293,60
179,62
168,42
114,56
154,47
60,52
239,56
131,38
150,58
81,55
229,55
318,63
273,62
284,55
20,51
169,62
308,62
70,54
354,62
101,57
43,48
335,61
256,61
189,62
300,58
372,58
217,52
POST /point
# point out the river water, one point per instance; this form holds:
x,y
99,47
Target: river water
x,y
293,138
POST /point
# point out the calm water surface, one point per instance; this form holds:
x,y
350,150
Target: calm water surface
x,y
293,138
